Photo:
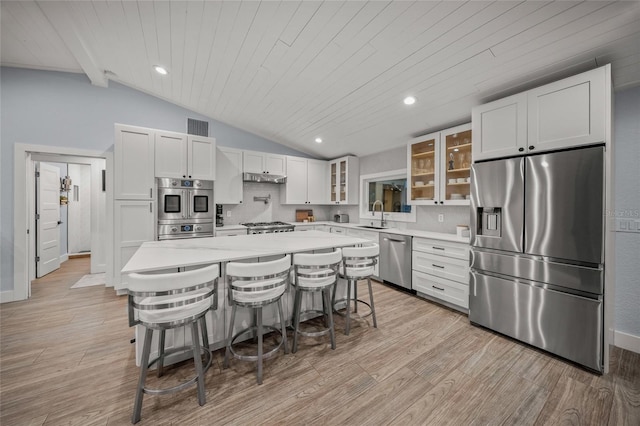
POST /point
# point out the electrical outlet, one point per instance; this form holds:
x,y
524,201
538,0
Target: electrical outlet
x,y
228,213
440,217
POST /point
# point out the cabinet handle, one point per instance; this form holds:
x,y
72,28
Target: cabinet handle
x,y
520,149
150,207
437,248
437,266
437,288
441,202
435,202
531,147
150,192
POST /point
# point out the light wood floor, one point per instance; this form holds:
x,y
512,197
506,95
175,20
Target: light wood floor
x,y
66,359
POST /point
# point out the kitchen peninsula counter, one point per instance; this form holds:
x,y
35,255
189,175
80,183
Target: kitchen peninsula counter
x,y
168,254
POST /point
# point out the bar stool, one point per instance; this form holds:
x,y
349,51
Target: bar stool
x,y
166,301
357,264
315,273
254,286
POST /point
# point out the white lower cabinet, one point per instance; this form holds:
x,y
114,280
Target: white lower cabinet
x,y
229,232
440,270
133,225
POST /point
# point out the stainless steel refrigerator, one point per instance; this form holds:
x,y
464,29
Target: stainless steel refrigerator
x,y
537,256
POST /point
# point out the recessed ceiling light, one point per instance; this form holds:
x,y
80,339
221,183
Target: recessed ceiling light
x,y
409,100
318,140
161,70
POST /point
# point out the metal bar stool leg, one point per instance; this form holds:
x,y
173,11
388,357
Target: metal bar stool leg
x,y
144,366
355,296
283,326
260,348
347,326
205,333
197,359
329,313
227,351
373,309
161,340
296,319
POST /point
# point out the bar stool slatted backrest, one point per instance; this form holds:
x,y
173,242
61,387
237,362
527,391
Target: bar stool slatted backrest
x,y
170,300
358,263
315,273
254,286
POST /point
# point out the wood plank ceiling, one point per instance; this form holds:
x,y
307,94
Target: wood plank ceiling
x,y
293,71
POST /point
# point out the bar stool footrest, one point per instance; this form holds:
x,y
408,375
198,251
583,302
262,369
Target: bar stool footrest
x,y
342,314
265,355
193,380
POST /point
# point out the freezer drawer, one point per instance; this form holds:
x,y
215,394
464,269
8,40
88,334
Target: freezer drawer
x,y
566,325
451,269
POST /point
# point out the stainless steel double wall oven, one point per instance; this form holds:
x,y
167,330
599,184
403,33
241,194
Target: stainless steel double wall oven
x,y
185,208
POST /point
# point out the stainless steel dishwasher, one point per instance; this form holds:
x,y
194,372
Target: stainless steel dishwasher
x,y
395,259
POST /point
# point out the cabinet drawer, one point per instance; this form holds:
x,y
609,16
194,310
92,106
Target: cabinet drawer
x,y
452,269
443,289
441,248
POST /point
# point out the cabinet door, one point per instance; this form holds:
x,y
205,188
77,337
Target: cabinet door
x,y
455,165
133,163
275,164
422,169
201,156
568,112
133,225
228,184
296,186
253,162
316,181
171,155
451,269
500,128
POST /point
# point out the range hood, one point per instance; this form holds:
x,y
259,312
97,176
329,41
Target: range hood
x,y
263,178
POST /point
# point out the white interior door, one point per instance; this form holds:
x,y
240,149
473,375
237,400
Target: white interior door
x,y
47,219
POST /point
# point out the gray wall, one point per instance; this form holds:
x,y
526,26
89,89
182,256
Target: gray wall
x,y
426,216
627,178
65,110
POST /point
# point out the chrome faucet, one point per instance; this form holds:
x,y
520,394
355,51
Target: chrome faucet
x,y
373,209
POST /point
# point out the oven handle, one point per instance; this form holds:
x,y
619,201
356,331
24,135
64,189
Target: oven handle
x,y
184,204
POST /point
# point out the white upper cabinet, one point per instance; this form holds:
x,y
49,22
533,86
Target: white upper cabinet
x,y
201,157
306,181
566,113
344,174
181,156
262,162
228,184
569,112
171,154
500,127
133,163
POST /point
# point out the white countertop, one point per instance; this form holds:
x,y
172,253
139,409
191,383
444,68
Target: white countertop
x,y
411,232
158,255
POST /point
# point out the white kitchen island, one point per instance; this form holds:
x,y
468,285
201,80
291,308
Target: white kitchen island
x,y
170,255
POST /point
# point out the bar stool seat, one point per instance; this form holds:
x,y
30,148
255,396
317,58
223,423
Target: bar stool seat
x,y
254,286
166,301
358,263
315,273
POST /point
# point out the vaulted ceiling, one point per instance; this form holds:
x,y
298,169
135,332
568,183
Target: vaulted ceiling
x,y
293,71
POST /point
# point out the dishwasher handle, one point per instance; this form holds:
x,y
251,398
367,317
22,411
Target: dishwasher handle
x,y
395,241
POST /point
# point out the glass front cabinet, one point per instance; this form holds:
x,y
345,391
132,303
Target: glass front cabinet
x,y
343,180
438,167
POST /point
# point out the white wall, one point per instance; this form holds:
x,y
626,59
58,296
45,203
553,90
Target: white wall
x,y
79,209
65,110
627,192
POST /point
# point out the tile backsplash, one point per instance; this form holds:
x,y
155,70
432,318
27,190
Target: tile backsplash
x,y
258,211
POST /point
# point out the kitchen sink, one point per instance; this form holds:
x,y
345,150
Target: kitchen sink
x,y
372,227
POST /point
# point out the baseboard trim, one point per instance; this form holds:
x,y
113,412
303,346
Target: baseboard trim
x,y
64,258
627,341
6,296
